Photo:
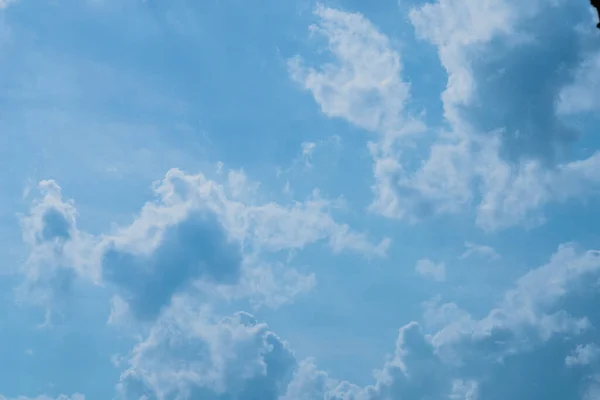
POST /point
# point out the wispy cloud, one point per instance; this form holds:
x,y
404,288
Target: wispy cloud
x,y
430,270
479,250
6,3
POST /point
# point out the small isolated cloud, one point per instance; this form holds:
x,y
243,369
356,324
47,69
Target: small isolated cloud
x,y
504,151
431,270
312,154
307,150
190,353
478,250
269,226
198,234
583,94
583,355
119,311
5,3
468,358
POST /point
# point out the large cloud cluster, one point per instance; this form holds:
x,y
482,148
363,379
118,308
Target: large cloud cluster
x,y
513,69
198,234
543,326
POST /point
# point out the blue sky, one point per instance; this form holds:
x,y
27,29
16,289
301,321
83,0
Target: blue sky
x,y
299,200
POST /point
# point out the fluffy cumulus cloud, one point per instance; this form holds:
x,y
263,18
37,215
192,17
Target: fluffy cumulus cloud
x,y
504,153
472,358
189,353
200,234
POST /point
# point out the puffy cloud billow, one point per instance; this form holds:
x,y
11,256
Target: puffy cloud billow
x,y
199,234
221,287
509,64
519,349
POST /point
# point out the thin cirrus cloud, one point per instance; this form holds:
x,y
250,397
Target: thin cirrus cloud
x,y
479,250
431,270
6,3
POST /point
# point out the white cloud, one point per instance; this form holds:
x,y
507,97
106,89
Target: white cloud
x,y
479,250
464,390
307,150
309,383
454,26
59,252
481,46
593,390
527,309
266,227
461,358
514,194
119,311
583,94
583,355
511,194
198,234
190,352
428,269
5,3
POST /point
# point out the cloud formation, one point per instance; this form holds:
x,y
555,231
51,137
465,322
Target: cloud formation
x,y
584,354
191,354
519,78
194,248
431,270
200,234
59,252
507,158
363,85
